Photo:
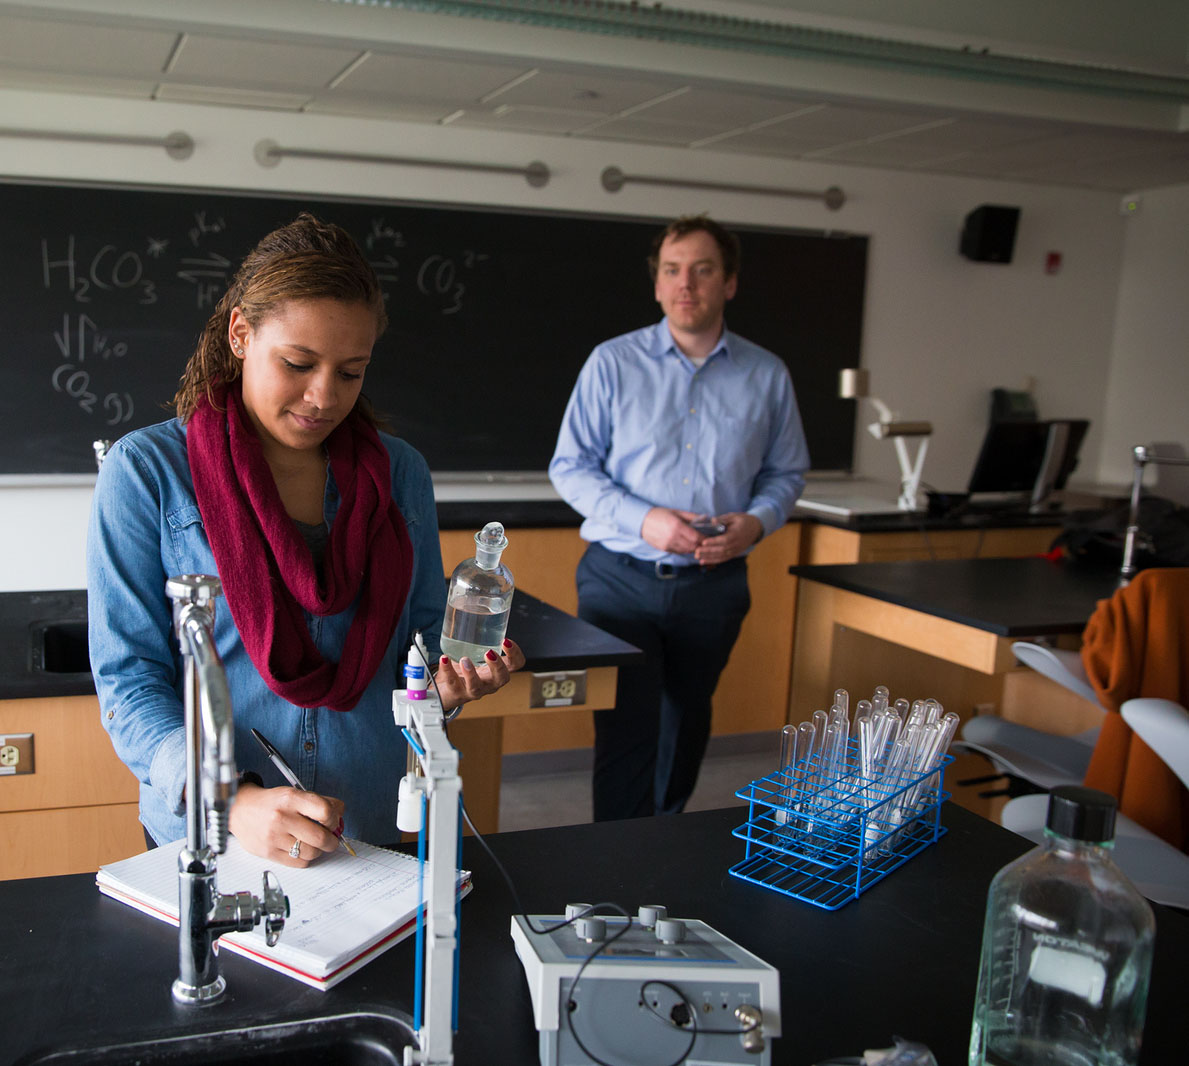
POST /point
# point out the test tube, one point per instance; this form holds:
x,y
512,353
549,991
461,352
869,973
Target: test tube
x,y
842,699
880,696
803,751
866,732
932,710
787,738
820,720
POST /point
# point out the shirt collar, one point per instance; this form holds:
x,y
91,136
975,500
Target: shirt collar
x,y
663,343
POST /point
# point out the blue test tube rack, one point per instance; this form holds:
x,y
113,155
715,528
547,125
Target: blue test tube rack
x,y
828,841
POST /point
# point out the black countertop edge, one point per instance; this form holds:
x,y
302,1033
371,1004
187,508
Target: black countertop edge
x,y
910,521
551,639
1010,597
467,514
525,514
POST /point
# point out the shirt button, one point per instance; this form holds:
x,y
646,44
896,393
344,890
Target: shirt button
x,y
309,745
693,410
685,481
688,447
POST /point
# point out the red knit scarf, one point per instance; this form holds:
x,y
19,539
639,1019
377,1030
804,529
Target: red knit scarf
x,y
267,571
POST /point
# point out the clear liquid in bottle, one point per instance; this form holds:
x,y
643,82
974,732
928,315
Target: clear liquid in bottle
x,y
1067,949
479,599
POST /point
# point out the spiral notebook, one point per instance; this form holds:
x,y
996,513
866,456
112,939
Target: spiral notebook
x,y
344,910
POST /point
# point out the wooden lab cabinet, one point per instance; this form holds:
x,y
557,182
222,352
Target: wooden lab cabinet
x,y
78,808
826,545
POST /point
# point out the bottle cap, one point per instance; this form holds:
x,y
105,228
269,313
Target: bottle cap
x,y
1082,814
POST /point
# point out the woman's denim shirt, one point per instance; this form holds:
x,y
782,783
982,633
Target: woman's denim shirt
x,y
145,527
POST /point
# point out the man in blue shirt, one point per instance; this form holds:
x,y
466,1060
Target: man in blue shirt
x,y
667,425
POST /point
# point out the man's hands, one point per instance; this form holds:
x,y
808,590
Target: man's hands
x,y
669,531
743,530
463,681
269,821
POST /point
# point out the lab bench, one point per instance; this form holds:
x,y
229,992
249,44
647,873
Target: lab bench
x,y
78,969
81,797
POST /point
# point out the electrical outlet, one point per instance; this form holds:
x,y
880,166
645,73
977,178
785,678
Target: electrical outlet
x,y
16,754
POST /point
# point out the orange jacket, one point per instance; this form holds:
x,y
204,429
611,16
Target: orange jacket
x,y
1137,644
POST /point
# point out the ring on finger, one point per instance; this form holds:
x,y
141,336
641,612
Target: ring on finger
x,y
295,851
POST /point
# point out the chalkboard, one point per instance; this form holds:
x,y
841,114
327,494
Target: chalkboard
x,y
492,314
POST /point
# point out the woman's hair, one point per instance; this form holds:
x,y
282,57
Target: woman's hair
x,y
306,260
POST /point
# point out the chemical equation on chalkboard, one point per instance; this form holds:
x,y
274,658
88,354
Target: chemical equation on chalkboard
x,y
439,277
110,269
81,341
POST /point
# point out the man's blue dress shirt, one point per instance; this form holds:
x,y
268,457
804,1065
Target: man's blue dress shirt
x,y
645,427
146,527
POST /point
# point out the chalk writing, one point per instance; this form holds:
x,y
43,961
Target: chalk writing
x,y
108,269
438,276
203,225
380,232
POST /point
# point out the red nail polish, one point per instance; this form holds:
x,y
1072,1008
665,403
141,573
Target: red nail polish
x,y
507,643
490,656
445,659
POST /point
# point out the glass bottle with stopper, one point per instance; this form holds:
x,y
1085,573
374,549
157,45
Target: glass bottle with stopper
x,y
479,599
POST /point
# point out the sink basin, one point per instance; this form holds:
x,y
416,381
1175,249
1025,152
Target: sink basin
x,y
359,1038
60,647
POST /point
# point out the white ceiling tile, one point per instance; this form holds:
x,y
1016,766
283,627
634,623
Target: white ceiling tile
x,y
637,128
605,94
371,106
255,63
92,84
81,47
891,153
526,119
427,78
719,109
837,125
758,142
214,94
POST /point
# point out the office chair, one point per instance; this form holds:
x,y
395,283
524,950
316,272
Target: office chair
x,y
1032,759
1158,869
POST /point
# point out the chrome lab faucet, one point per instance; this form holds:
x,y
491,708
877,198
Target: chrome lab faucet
x,y
203,913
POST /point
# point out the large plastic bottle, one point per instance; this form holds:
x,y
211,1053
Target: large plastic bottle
x,y
479,599
1067,948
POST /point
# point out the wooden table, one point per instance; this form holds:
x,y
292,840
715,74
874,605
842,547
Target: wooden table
x,y
962,612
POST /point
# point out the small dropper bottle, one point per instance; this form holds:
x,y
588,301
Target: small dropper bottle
x,y
479,599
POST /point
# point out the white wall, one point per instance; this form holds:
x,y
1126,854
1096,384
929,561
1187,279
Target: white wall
x,y
939,331
1148,386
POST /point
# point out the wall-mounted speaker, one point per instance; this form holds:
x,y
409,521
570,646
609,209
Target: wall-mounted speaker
x,y
989,234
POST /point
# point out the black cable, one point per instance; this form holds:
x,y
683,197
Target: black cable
x,y
588,911
738,1031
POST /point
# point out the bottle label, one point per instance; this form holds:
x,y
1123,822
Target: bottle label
x,y
1068,965
414,671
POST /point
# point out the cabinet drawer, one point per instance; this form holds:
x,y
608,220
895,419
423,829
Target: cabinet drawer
x,y
69,840
74,762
